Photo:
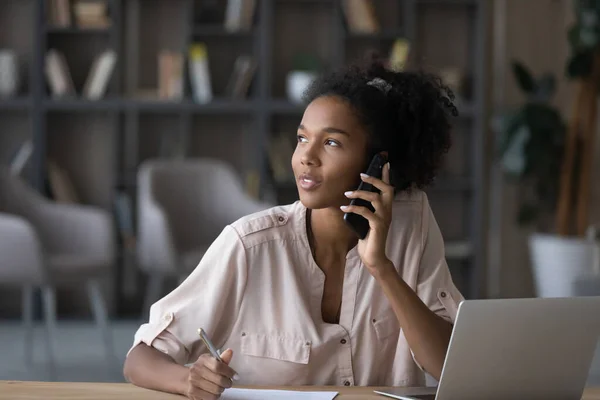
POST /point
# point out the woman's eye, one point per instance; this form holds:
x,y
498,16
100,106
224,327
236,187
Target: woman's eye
x,y
301,139
332,142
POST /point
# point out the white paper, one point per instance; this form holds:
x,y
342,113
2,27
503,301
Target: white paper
x,y
256,394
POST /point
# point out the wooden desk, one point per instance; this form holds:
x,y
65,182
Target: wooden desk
x,y
17,390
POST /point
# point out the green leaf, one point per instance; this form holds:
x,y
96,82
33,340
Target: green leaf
x,y
580,64
546,87
507,126
514,159
527,214
574,37
524,78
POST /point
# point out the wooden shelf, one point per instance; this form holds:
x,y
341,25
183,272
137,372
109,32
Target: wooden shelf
x,y
282,29
383,35
283,106
81,104
448,2
218,106
75,30
218,30
16,103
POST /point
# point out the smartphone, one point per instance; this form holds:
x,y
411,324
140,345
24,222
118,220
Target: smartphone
x,y
358,223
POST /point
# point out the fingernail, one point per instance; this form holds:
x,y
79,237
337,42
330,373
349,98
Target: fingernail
x,y
344,207
236,377
387,165
349,193
364,175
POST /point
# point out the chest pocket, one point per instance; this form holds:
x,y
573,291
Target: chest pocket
x,y
269,354
386,326
276,347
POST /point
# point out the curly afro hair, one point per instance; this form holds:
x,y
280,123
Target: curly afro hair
x,y
406,114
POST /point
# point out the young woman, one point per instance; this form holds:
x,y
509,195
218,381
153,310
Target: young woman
x,y
291,293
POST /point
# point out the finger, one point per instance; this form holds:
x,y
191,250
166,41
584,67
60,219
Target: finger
x,y
197,393
208,386
363,211
383,187
385,173
212,377
221,368
226,356
362,194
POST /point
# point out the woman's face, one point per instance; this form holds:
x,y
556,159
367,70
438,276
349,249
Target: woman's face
x,y
330,154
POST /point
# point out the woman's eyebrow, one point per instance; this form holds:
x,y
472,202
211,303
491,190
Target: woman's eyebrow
x,y
331,129
328,129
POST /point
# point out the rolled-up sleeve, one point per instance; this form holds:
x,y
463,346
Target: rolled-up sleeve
x,y
209,298
435,286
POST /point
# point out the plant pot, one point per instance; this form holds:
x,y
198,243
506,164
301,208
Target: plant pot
x,y
558,263
296,84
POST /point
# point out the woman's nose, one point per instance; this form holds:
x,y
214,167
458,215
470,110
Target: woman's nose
x,y
309,156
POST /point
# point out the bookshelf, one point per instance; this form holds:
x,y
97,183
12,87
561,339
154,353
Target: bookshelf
x,y
102,142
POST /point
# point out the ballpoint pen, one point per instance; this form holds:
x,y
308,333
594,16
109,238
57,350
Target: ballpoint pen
x,y
211,347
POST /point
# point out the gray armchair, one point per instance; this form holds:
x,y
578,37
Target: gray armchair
x,y
43,245
183,205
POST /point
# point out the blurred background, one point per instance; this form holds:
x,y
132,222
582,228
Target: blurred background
x,y
132,131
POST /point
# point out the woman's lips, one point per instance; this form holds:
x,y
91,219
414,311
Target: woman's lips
x,y
308,182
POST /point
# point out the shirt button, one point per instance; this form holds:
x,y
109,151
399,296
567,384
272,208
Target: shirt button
x,y
167,317
281,219
343,341
443,294
346,383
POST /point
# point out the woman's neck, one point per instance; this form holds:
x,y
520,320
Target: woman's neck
x,y
329,230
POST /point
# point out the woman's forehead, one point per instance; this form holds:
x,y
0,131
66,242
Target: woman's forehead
x,y
330,112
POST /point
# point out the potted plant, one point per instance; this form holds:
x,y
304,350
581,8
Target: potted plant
x,y
305,68
532,150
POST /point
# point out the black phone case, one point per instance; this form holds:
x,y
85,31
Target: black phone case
x,y
358,223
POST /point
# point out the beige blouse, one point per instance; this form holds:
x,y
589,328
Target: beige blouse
x,y
258,291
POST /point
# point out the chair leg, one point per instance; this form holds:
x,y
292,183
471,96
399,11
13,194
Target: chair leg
x,y
27,315
153,292
101,318
49,300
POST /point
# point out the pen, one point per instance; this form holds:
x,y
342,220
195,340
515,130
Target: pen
x,y
211,347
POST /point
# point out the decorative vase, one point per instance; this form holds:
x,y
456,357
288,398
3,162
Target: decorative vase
x,y
559,263
9,73
296,84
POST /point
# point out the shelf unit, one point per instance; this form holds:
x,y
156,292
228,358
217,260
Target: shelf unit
x,y
101,143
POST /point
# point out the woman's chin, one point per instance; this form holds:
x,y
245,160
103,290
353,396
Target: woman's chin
x,y
318,202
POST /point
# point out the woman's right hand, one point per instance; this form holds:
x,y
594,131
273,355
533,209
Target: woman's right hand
x,y
208,377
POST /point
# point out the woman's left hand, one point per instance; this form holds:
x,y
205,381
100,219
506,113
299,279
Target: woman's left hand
x,y
372,248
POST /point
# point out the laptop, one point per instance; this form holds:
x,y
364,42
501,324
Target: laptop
x,y
538,348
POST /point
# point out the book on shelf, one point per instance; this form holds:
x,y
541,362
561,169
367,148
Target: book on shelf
x,y
91,14
244,69
360,16
21,157
58,74
399,54
59,13
200,73
97,81
170,75
239,15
